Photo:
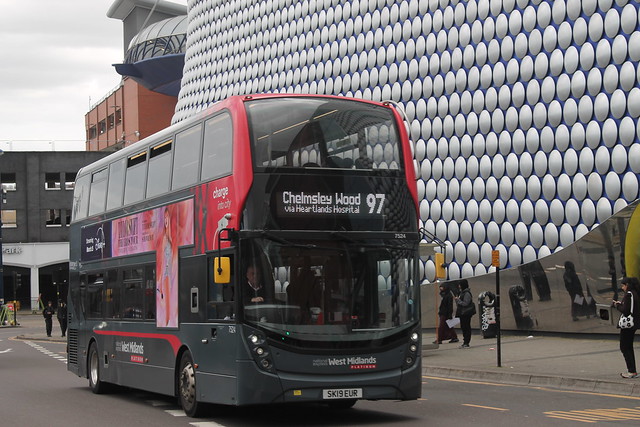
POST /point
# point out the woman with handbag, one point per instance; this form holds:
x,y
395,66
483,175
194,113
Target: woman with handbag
x,y
628,323
465,310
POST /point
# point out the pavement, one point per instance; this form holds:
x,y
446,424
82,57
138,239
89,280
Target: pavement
x,y
579,362
590,363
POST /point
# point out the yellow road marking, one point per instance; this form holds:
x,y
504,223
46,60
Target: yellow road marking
x,y
484,407
594,415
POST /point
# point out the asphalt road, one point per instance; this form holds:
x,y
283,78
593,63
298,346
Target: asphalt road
x,y
37,390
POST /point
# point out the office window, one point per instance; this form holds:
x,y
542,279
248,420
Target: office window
x,y
218,147
8,181
93,132
52,181
159,169
9,218
118,116
102,126
111,121
186,157
69,180
53,217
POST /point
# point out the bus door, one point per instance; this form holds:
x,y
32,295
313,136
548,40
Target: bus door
x,y
208,315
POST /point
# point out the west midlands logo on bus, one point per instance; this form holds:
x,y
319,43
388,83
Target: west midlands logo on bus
x,y
351,362
136,350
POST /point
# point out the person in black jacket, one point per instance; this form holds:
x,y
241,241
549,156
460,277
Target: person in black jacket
x,y
465,310
48,313
630,304
445,312
62,317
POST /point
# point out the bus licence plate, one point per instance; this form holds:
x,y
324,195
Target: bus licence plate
x,y
342,393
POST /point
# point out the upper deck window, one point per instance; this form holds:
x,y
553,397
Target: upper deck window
x,y
186,157
218,144
135,178
116,183
98,195
159,167
326,133
81,197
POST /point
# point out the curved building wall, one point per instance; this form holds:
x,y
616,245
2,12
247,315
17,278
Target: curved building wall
x,y
524,114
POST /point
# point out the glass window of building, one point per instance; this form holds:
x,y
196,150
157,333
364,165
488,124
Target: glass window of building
x,y
52,217
69,180
9,218
8,181
52,181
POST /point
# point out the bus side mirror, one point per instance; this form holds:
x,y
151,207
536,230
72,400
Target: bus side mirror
x,y
222,269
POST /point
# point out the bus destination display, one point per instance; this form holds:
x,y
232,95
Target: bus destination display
x,y
291,203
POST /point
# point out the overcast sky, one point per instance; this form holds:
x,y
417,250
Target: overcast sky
x,y
55,61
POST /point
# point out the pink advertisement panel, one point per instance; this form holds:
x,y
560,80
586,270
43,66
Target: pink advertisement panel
x,y
162,230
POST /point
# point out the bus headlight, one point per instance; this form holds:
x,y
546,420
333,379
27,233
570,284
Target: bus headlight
x,y
412,352
259,350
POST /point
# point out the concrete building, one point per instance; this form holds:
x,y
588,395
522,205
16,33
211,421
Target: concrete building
x,y
36,212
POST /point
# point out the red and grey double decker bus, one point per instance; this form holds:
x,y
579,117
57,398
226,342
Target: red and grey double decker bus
x,y
263,251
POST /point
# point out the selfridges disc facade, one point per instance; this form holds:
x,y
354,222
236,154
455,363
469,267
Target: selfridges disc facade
x,y
523,113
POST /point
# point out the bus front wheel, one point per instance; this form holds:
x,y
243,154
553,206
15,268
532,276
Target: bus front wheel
x,y
187,387
96,384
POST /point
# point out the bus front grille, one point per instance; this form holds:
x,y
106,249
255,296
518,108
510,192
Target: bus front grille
x,y
72,352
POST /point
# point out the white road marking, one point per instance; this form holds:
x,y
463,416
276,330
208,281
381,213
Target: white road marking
x,y
176,412
46,352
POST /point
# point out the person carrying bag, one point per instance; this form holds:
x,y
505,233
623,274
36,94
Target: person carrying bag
x,y
466,308
628,323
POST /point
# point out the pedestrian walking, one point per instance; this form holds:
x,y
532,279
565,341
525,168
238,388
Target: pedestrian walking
x,y
445,312
629,306
48,313
465,310
62,317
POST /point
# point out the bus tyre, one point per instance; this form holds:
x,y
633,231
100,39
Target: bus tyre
x,y
96,384
187,387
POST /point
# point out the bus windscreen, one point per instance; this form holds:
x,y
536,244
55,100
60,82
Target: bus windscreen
x,y
325,133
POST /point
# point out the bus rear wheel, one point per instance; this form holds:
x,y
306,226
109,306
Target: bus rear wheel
x,y
187,387
95,382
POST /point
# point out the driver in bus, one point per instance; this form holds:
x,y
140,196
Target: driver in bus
x,y
254,291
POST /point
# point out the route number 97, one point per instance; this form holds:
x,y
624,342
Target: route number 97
x,y
375,203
